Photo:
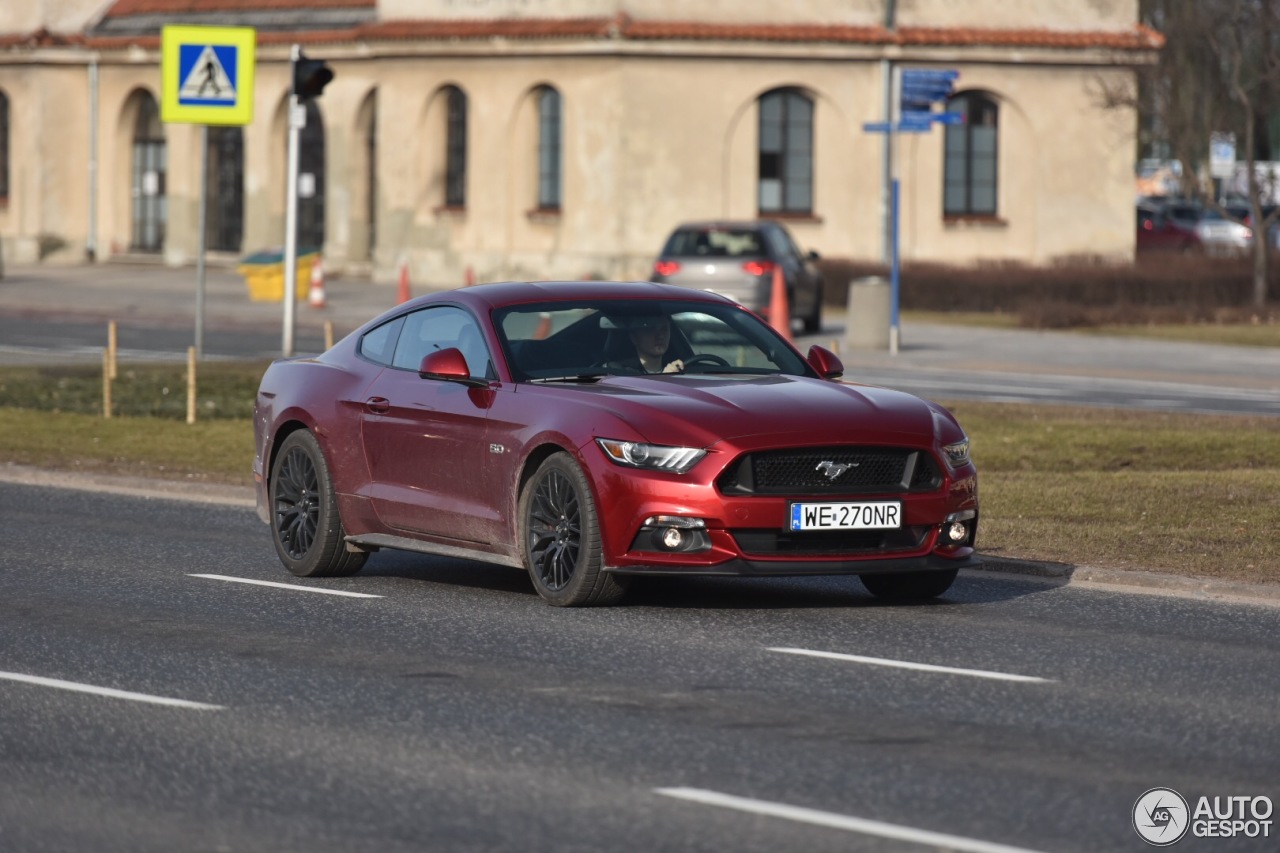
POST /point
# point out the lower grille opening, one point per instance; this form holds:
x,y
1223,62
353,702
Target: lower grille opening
x,y
828,542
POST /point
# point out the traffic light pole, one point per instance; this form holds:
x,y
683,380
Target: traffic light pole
x,y
895,266
297,120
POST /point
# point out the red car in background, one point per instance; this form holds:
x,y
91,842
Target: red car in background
x,y
588,432
1161,229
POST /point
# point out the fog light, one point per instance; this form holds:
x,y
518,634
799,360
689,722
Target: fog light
x,y
672,534
957,531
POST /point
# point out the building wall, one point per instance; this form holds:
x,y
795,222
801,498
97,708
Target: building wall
x,y
654,132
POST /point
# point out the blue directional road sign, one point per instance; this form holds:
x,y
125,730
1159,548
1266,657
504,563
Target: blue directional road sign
x,y
921,89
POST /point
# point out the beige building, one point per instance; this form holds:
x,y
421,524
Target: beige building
x,y
560,138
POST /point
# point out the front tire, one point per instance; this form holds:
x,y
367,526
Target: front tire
x,y
560,532
305,524
910,586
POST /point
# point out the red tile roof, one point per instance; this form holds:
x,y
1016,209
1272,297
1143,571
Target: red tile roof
x,y
1137,38
125,8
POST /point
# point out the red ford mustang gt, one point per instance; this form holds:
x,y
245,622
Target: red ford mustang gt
x,y
588,432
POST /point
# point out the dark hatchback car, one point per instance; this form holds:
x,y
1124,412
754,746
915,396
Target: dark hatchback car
x,y
737,259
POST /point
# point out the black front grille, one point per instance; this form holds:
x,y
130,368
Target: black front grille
x,y
828,542
832,470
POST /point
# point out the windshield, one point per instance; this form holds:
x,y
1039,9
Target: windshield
x,y
582,340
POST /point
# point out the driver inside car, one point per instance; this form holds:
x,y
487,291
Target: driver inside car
x,y
651,336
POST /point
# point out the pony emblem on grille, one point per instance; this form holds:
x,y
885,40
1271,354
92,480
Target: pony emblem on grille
x,y
834,469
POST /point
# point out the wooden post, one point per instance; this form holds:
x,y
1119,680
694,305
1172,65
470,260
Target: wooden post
x,y
328,335
191,385
112,349
106,384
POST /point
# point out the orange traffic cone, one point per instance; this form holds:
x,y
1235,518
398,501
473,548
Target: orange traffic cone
x,y
543,331
779,310
470,278
315,296
403,294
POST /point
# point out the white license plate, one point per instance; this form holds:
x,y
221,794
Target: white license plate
x,y
859,515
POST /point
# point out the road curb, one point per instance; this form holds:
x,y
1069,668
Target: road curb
x,y
1129,580
1049,574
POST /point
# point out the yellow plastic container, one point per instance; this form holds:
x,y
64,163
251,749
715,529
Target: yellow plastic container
x,y
264,275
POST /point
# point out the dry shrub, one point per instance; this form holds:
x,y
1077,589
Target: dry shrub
x,y
1157,289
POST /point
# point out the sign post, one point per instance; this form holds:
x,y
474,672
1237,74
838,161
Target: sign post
x,y
915,92
206,77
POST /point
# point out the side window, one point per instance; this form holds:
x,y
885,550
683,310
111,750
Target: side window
x,y
433,329
785,152
455,147
970,171
379,344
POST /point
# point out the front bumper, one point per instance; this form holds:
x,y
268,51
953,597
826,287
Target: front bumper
x,y
747,567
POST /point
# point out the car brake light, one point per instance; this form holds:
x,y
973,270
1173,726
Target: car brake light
x,y
666,267
758,267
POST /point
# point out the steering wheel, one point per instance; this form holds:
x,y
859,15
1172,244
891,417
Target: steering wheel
x,y
705,358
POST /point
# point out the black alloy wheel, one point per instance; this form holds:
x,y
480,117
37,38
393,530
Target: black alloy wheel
x,y
308,532
561,534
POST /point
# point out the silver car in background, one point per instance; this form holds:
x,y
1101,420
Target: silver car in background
x,y
737,259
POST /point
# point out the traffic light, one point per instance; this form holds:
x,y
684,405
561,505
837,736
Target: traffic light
x,y
310,76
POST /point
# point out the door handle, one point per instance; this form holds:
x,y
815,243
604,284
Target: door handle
x,y
378,405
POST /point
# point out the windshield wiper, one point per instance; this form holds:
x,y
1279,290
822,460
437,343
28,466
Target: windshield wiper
x,y
581,378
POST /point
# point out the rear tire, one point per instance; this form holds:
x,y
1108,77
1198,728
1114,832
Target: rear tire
x,y
813,322
560,532
305,524
910,586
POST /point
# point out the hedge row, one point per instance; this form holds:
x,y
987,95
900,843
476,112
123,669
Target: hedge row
x,y
1155,289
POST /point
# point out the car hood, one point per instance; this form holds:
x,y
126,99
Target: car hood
x,y
703,410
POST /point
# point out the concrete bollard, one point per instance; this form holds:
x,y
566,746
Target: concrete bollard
x,y
869,313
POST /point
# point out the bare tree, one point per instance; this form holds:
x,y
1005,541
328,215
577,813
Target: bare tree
x,y
1246,40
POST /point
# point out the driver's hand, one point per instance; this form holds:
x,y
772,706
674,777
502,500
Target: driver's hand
x,y
676,366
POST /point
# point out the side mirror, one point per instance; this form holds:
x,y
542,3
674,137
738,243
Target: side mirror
x,y
448,365
827,363
813,256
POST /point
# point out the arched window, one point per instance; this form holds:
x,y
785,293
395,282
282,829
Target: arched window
x,y
972,148
549,147
455,156
4,147
785,152
311,182
224,229
150,212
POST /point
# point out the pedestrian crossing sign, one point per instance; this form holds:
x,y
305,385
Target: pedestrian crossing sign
x,y
207,75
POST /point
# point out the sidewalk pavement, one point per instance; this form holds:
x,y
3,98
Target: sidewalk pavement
x,y
167,296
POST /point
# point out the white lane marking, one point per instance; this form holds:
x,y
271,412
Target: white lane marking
x,y
287,586
922,667
108,692
838,821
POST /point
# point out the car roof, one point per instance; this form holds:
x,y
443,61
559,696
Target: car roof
x,y
726,224
484,297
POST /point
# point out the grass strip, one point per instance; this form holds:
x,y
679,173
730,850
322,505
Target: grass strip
x,y
1187,494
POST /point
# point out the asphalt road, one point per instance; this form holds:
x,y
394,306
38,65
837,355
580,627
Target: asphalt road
x,y
456,711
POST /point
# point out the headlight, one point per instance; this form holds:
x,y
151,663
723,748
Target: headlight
x,y
957,454
652,457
